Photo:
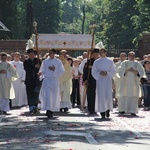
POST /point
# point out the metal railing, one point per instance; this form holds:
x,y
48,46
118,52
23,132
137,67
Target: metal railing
x,y
110,52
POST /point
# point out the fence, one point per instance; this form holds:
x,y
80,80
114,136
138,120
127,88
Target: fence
x,y
110,52
116,52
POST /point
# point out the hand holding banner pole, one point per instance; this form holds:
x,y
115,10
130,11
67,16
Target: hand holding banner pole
x,y
92,27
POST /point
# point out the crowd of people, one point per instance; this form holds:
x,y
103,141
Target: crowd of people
x,y
92,82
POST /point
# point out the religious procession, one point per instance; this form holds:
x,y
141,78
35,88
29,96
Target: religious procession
x,y
93,82
74,75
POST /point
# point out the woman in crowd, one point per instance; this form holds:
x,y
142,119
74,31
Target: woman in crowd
x,y
146,85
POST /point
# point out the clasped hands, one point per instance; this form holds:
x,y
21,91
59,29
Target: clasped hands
x,y
132,70
52,68
3,71
103,73
37,66
85,83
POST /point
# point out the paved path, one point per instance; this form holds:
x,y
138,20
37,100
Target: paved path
x,y
74,131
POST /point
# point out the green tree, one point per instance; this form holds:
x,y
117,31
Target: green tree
x,y
47,14
18,16
8,17
114,25
29,18
141,20
71,20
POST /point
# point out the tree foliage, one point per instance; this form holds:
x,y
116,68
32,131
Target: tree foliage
x,y
141,21
8,11
71,20
47,14
19,18
120,23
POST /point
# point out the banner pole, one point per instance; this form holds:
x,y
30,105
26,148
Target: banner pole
x,y
92,27
36,38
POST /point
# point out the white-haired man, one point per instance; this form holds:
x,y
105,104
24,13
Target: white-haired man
x,y
130,72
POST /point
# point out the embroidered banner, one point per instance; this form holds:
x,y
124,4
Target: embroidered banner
x,y
64,41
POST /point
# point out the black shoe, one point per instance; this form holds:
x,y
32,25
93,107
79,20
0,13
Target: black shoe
x,y
73,106
90,113
121,112
94,113
103,115
4,112
107,113
49,114
78,106
34,111
65,109
61,109
133,114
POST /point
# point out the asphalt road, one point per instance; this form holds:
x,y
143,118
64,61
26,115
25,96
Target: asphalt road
x,y
75,130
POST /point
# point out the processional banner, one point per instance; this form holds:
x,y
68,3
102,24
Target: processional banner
x,y
64,41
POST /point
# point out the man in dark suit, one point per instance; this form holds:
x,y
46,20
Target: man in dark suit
x,y
31,66
90,82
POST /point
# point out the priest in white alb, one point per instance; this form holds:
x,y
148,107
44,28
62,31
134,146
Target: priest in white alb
x,y
130,72
65,83
8,74
103,71
19,86
51,70
117,78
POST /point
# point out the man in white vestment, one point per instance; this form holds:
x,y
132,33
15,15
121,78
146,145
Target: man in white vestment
x,y
130,72
19,86
51,69
65,83
117,78
103,71
8,74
